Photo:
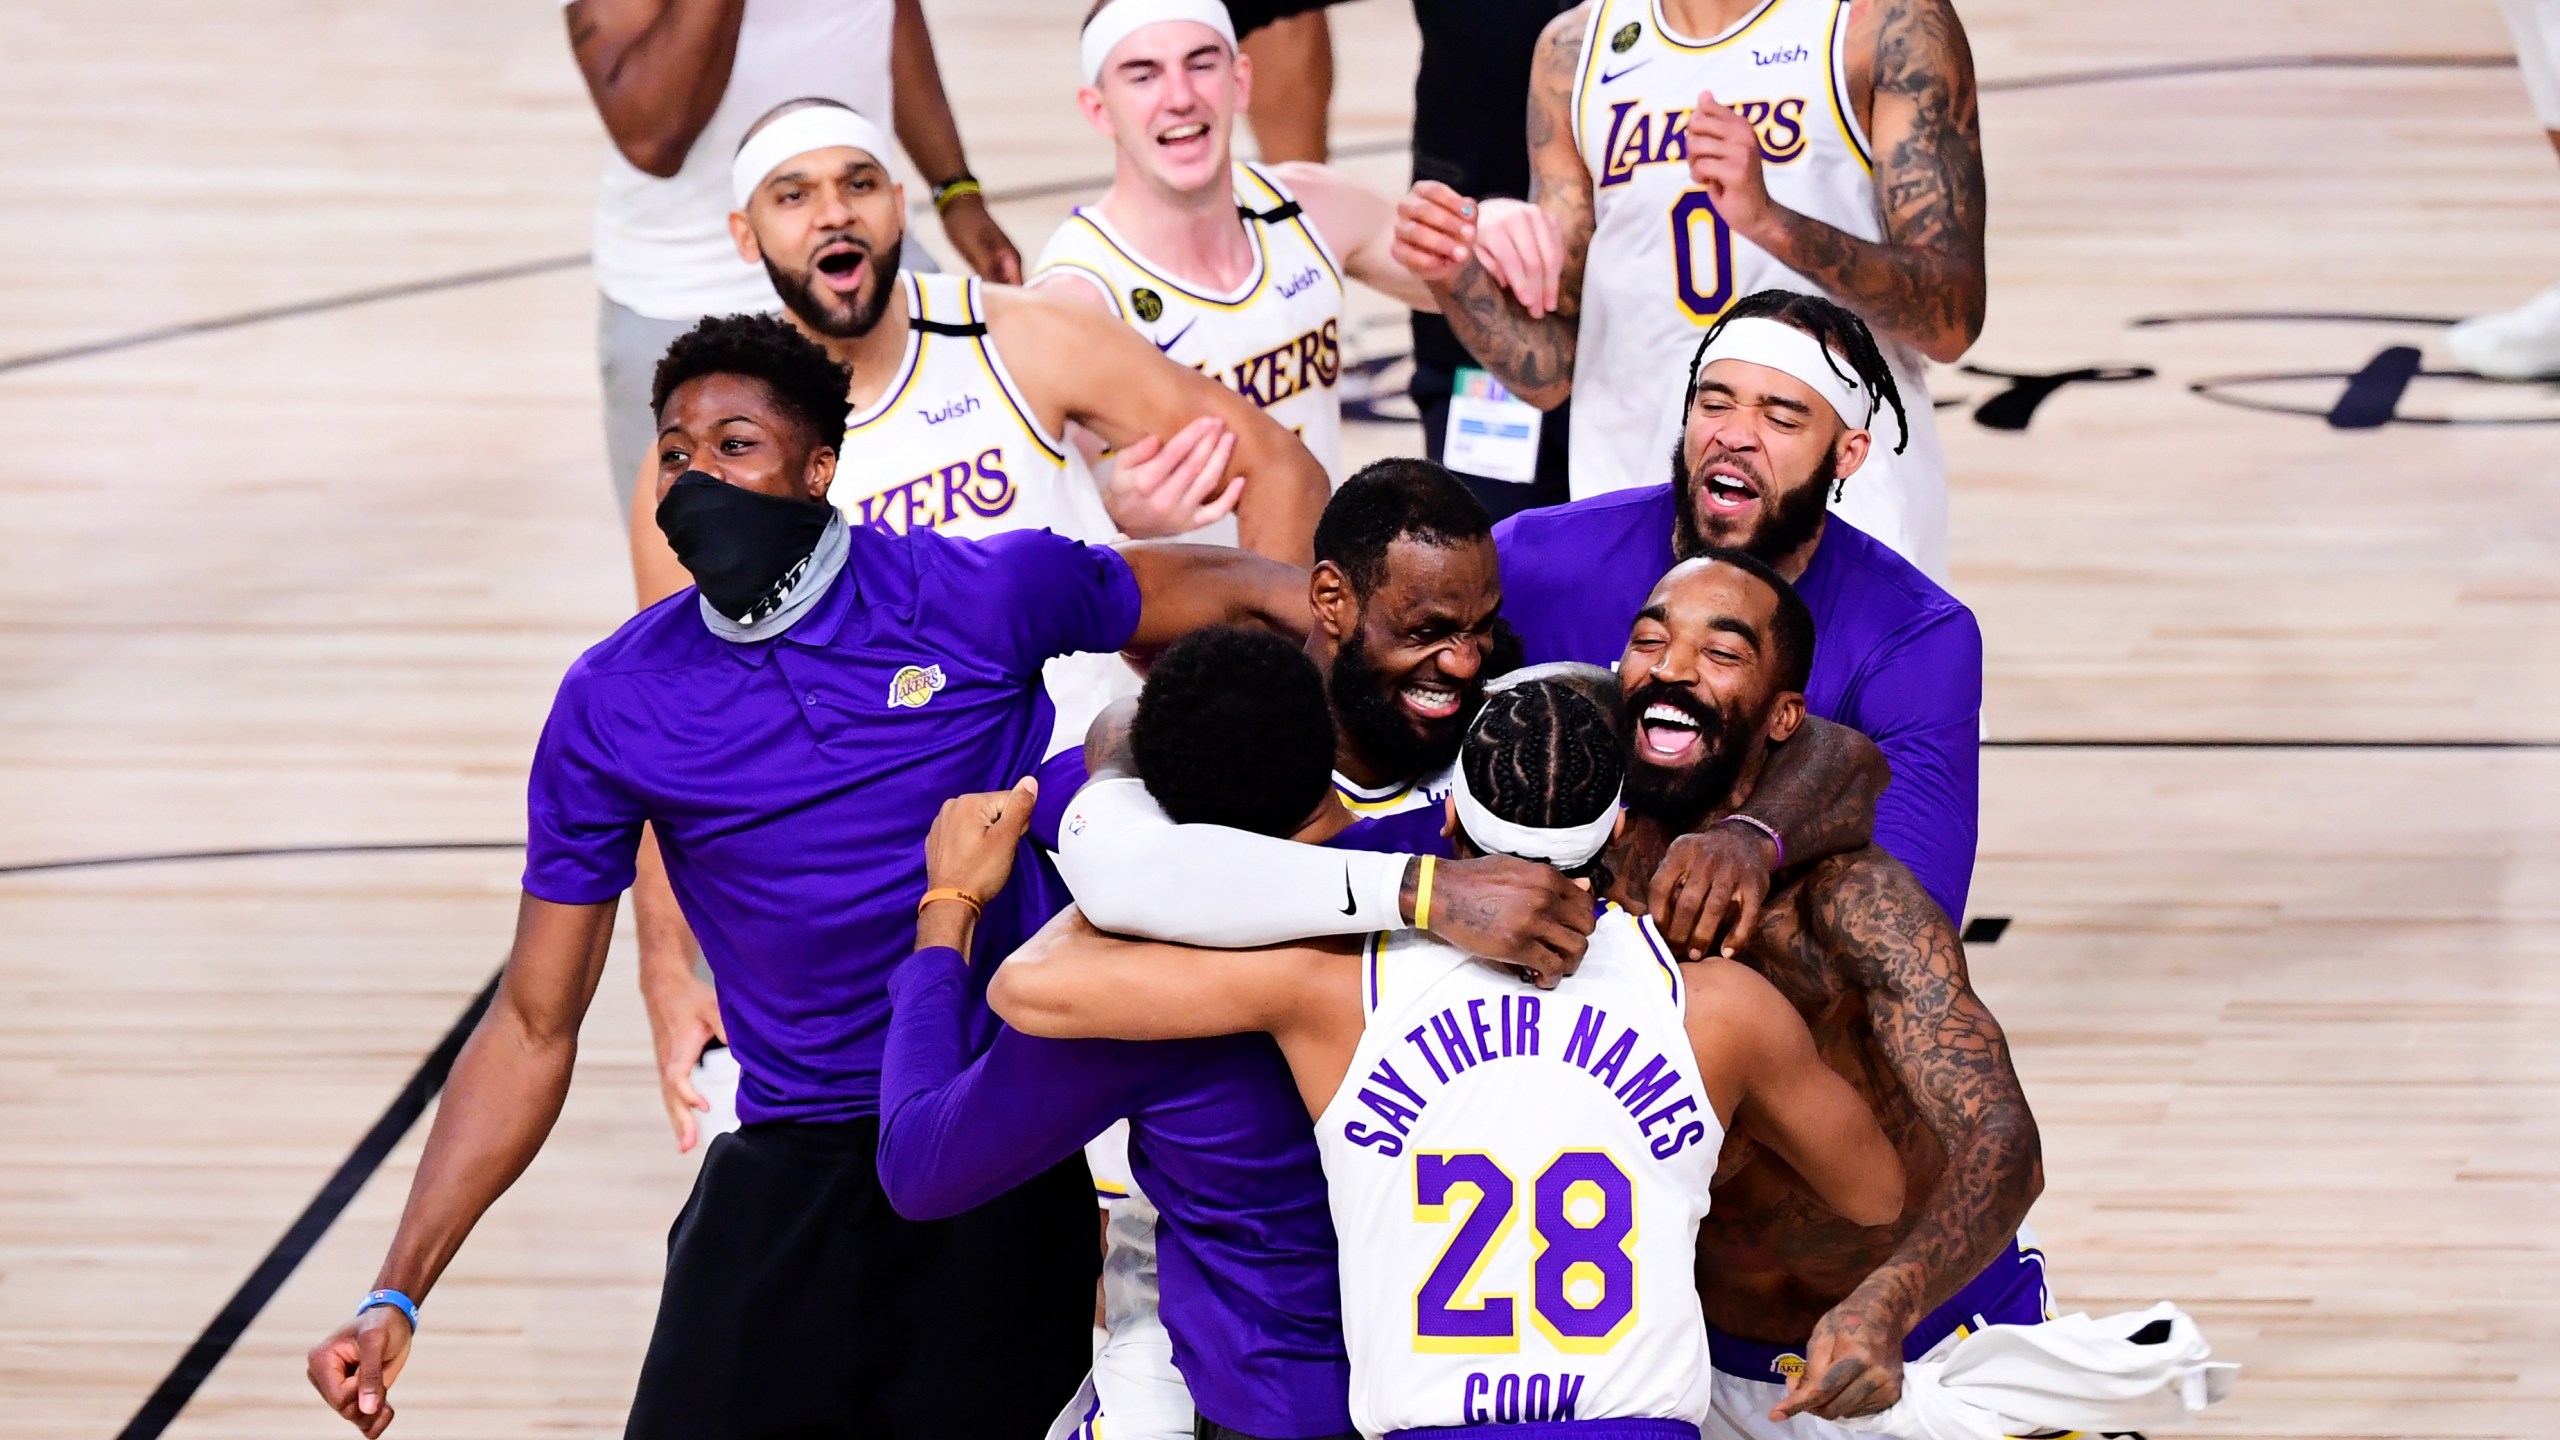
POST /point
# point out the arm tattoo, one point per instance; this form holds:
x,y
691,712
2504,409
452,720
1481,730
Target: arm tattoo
x,y
1953,1061
1925,283
1819,789
1534,358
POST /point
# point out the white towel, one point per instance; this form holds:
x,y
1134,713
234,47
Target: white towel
x,y
2136,1371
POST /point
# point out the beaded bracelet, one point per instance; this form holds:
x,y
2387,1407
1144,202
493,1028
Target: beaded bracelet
x,y
1765,828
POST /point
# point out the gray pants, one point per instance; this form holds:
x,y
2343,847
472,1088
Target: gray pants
x,y
628,347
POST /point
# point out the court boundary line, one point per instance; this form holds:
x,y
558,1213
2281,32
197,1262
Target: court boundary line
x,y
233,1320
1051,189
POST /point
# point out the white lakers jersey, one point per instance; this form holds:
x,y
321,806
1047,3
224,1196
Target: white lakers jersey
x,y
1276,339
1517,1178
1663,264
1367,802
952,445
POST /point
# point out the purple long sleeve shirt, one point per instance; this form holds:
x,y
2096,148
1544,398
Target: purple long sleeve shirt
x,y
1894,656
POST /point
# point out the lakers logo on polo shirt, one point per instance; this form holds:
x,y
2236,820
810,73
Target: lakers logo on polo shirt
x,y
913,685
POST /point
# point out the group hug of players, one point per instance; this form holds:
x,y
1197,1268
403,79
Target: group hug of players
x,y
1533,1004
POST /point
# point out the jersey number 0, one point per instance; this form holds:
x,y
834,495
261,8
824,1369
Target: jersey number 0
x,y
1702,254
1583,1213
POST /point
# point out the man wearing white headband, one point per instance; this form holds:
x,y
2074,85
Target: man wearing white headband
x,y
676,83
1233,269
1788,399
1516,1175
1686,153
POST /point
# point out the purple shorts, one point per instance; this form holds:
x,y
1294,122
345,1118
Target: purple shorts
x,y
2009,1291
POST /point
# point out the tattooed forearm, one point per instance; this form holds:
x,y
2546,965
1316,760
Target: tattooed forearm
x,y
1952,1059
1533,358
1819,790
1925,283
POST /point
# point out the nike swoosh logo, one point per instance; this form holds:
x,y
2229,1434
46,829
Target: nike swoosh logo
x,y
1607,76
1166,347
1350,906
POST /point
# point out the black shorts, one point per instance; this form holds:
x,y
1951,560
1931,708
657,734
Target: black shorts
x,y
799,1306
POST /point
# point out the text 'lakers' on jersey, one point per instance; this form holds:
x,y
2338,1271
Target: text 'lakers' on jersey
x,y
1663,264
1276,339
952,445
1517,1179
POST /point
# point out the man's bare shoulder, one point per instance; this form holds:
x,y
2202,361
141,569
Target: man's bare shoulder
x,y
1845,916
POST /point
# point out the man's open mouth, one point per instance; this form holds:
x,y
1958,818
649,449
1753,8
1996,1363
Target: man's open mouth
x,y
1181,136
1728,490
1668,735
840,269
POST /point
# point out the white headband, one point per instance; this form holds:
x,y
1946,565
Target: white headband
x,y
1121,19
813,127
1785,348
1565,847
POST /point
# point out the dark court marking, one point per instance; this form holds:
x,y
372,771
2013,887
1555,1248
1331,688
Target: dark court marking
x,y
235,1317
1985,929
1054,188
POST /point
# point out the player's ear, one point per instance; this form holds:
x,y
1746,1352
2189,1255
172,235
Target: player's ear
x,y
1850,452
1786,716
822,472
1244,79
1449,818
1089,100
743,235
1329,595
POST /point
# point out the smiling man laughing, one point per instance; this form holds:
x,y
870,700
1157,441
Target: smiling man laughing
x,y
1781,399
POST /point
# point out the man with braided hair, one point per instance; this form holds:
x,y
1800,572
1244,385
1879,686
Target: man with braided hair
x,y
1781,396
1452,1102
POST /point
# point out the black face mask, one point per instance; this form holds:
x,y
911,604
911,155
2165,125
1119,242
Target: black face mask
x,y
739,546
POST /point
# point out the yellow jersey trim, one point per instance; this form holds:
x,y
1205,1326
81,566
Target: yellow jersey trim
x,y
1253,285
993,364
1671,38
1315,242
1838,75
910,367
1582,81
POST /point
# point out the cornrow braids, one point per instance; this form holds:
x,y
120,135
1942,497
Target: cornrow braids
x,y
1843,336
1541,753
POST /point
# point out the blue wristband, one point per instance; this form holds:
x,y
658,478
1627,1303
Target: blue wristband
x,y
394,1299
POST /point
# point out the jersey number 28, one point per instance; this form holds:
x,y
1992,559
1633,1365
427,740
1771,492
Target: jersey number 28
x,y
1583,1214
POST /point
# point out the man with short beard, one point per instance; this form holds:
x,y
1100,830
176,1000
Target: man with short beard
x,y
1810,1315
1781,397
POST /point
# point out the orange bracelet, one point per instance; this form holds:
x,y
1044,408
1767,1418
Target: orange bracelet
x,y
948,892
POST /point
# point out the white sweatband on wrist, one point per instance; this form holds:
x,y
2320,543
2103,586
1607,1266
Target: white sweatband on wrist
x,y
1121,19
1788,350
1566,847
1135,872
812,127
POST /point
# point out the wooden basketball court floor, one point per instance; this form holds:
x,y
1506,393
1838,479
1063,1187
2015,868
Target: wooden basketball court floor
x,y
303,511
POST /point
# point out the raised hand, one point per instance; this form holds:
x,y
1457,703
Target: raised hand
x,y
971,845
353,1369
1435,233
1724,161
1514,914
1159,489
1522,248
